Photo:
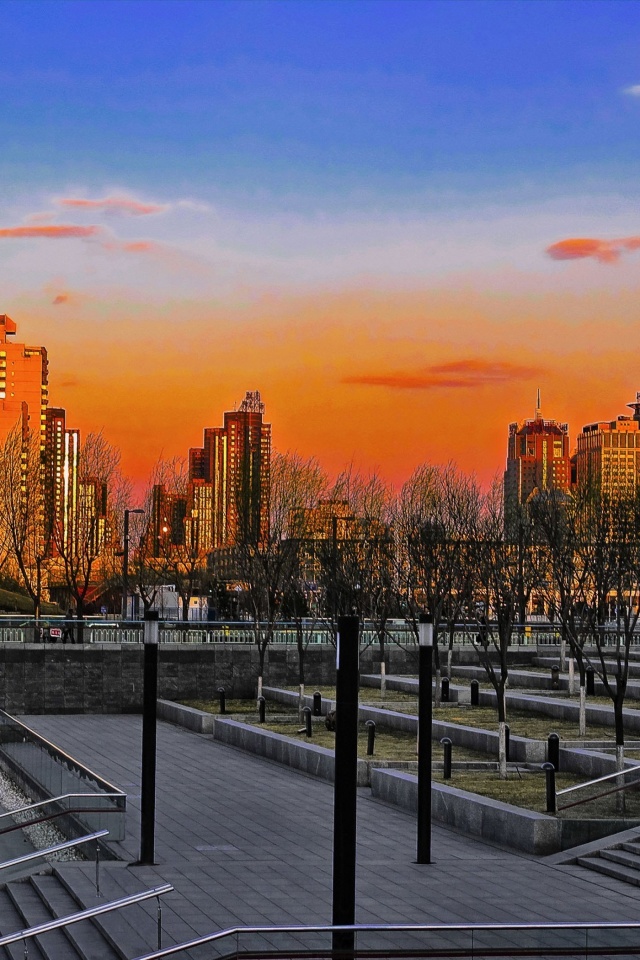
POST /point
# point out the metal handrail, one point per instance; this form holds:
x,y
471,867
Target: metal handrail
x,y
64,796
84,914
45,851
591,783
394,928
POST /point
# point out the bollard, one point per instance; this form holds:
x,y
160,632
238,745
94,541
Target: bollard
x,y
444,690
307,721
446,747
475,693
555,677
223,700
550,774
317,704
590,675
262,706
507,744
553,751
371,736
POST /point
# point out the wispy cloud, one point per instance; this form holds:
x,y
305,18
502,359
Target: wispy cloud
x,y
122,205
459,374
580,248
50,231
60,298
633,91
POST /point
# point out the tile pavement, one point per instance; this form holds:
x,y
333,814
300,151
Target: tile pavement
x,y
246,842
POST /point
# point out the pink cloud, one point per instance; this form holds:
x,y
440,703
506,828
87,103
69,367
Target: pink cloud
x,y
114,205
580,248
55,232
458,374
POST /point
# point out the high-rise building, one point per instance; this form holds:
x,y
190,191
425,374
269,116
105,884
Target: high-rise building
x,y
23,384
537,459
60,481
229,478
609,452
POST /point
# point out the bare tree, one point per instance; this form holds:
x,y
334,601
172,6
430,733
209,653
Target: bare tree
x,y
85,547
270,562
22,506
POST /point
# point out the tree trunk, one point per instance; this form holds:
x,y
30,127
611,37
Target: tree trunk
x,y
300,701
582,718
572,677
437,689
563,653
383,679
502,750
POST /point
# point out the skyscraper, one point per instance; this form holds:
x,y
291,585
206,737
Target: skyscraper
x,y
60,480
609,452
23,384
537,459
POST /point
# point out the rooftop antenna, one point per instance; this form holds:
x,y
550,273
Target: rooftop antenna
x,y
636,407
538,411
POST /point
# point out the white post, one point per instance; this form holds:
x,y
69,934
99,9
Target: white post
x,y
572,676
383,679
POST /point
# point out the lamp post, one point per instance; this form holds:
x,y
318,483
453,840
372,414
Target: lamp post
x,y
125,562
149,715
425,720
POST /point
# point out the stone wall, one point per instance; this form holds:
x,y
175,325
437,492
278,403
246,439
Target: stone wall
x,y
107,678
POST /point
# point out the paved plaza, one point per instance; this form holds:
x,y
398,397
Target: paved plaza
x,y
247,842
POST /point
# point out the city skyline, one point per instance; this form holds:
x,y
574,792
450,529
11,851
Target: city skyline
x,y
393,219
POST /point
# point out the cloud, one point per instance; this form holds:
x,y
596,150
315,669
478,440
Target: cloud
x,y
55,232
61,298
459,374
125,205
580,248
633,91
70,382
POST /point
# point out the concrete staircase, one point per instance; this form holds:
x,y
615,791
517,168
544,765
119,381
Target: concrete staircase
x,y
621,862
119,935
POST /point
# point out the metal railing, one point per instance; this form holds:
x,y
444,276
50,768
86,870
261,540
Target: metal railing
x,y
93,798
618,776
419,940
89,914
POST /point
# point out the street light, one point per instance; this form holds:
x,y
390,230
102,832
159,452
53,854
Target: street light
x,y
425,720
125,562
149,723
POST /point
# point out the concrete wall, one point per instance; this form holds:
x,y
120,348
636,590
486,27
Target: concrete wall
x,y
107,678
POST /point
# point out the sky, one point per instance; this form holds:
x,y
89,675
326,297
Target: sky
x,y
397,220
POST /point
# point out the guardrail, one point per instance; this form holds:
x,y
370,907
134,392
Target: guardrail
x,y
418,940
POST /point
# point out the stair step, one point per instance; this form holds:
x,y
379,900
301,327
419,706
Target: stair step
x,y
130,932
633,846
11,921
53,945
627,858
610,869
85,937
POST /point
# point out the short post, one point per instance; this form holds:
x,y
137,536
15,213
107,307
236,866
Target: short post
x,y
308,730
223,700
444,690
149,723
425,721
262,706
317,704
591,682
555,677
550,775
553,750
446,748
371,736
345,791
507,742
475,693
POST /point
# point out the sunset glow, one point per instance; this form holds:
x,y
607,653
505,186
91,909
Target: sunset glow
x,y
396,221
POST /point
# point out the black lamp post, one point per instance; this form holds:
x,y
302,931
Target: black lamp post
x,y
149,716
125,562
425,720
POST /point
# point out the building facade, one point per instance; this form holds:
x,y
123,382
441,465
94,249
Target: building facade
x,y
608,452
24,391
538,459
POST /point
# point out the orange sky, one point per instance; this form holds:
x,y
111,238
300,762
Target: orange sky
x,y
384,378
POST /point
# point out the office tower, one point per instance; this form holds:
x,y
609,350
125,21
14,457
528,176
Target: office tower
x,y
60,481
609,452
23,384
537,459
229,478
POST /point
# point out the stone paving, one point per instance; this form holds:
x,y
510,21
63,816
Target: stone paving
x,y
247,842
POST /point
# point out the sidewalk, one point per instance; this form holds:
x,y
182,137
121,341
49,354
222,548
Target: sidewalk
x,y
246,842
